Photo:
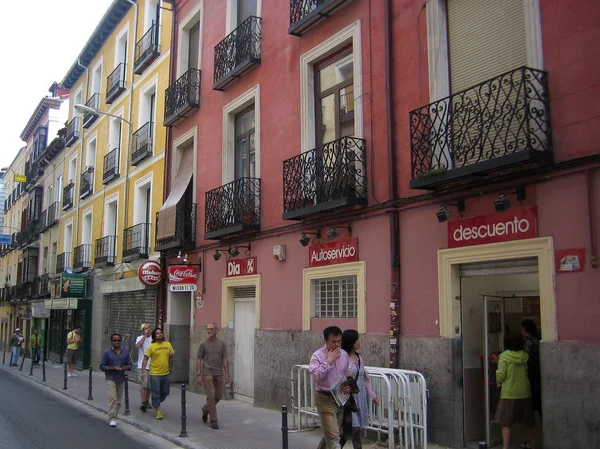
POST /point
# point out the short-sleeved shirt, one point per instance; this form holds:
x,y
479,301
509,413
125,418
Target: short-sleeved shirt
x,y
212,353
142,350
159,353
74,346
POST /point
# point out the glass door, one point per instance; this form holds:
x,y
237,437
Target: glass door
x,y
493,315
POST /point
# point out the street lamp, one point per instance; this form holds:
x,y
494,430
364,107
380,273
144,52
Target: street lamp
x,y
83,109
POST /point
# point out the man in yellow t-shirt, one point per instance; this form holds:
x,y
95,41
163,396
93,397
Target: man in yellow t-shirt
x,y
73,342
160,354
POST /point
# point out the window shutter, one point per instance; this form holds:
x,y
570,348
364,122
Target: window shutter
x,y
244,292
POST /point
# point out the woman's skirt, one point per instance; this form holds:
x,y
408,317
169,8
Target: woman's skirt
x,y
513,411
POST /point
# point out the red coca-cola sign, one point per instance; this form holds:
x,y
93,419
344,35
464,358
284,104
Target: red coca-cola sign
x,y
183,274
501,227
332,253
150,273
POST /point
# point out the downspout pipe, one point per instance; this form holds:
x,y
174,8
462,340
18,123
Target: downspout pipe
x,y
79,164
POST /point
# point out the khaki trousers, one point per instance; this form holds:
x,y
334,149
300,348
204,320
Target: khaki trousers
x,y
331,419
213,386
115,396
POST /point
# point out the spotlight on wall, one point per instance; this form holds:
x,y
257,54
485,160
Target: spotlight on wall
x,y
217,253
444,214
185,259
305,239
235,251
502,203
332,234
179,255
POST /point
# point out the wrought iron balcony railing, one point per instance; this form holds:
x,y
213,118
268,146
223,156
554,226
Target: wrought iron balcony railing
x,y
136,242
182,97
89,117
67,201
25,290
185,229
115,83
86,183
329,177
52,215
42,222
142,144
233,208
82,257
305,13
238,52
44,286
64,262
72,132
502,122
146,50
111,166
105,251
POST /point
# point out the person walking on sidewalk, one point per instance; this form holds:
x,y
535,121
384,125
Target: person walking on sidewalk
x,y
73,341
327,366
114,362
160,354
36,343
16,340
213,368
142,343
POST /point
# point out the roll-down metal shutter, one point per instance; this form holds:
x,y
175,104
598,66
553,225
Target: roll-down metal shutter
x,y
244,292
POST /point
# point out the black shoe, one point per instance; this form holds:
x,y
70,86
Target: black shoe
x,y
143,407
148,405
204,417
214,426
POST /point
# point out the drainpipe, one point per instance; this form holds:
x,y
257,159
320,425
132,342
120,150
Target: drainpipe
x,y
394,215
594,260
80,160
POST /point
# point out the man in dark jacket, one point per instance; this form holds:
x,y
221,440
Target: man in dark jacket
x,y
16,340
114,362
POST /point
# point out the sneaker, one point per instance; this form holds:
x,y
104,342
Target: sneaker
x,y
525,445
204,417
214,426
73,375
113,423
69,375
158,414
148,405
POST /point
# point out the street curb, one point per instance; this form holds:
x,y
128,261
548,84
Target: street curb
x,y
166,436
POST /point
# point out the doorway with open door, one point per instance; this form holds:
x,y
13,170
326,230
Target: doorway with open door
x,y
495,298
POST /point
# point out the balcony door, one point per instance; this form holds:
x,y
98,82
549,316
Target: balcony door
x,y
194,47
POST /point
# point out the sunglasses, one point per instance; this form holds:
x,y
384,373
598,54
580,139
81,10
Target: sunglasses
x,y
117,340
211,329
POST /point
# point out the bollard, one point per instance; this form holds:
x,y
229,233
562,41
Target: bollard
x,y
44,370
31,369
22,361
65,387
127,411
4,357
90,397
284,427
183,432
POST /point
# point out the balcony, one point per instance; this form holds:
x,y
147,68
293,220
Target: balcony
x,y
64,262
136,242
31,233
72,132
185,229
115,83
67,201
233,208
82,258
499,124
86,183
146,50
52,216
329,177
142,144
42,286
111,166
238,52
24,290
89,117
105,251
182,97
42,221
305,13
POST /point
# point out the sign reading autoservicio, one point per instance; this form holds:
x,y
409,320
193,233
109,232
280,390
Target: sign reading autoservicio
x,y
182,274
241,267
514,224
150,273
332,253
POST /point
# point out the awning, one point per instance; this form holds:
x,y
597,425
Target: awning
x,y
167,215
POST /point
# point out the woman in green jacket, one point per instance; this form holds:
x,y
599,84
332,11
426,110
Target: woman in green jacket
x,y
515,397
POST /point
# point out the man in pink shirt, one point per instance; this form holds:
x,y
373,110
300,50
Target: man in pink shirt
x,y
327,366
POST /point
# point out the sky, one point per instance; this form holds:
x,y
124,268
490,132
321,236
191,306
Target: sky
x,y
41,40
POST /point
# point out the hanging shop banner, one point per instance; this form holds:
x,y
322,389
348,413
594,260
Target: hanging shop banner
x,y
39,310
64,304
72,285
183,274
150,273
241,267
333,253
20,178
570,260
515,224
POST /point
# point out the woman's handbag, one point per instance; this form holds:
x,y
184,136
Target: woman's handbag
x,y
350,406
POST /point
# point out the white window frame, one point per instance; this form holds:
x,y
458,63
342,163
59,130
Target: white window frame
x,y
114,198
89,212
180,145
183,44
231,14
149,86
124,31
68,224
97,66
140,183
79,92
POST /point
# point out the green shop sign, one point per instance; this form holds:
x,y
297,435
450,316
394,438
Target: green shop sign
x,y
72,285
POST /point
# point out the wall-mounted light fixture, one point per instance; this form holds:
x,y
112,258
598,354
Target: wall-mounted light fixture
x,y
305,239
443,214
502,203
332,234
217,253
235,251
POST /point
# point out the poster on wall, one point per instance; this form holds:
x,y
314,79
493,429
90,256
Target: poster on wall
x,y
570,260
72,285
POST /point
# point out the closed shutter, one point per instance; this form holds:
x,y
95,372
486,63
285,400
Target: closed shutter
x,y
128,311
248,292
486,38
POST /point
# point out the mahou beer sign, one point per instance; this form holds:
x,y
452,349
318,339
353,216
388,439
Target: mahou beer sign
x,y
332,253
514,224
150,273
182,274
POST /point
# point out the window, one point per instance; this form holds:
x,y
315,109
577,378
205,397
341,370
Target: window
x,y
110,218
90,155
335,297
77,100
245,155
72,170
194,47
86,229
59,187
96,79
151,14
189,49
121,50
68,241
245,9
52,265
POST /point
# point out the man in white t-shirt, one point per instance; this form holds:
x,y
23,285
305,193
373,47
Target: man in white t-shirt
x,y
142,343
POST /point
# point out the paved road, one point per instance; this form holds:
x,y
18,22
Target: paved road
x,y
31,416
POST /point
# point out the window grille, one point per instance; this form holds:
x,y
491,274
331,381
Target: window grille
x,y
335,297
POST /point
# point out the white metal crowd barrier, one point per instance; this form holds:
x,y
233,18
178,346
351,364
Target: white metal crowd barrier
x,y
401,414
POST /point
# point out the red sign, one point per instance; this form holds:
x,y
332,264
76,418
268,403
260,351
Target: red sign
x,y
332,253
241,267
570,260
150,273
501,227
183,274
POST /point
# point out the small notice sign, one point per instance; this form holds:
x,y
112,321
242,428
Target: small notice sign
x,y
570,260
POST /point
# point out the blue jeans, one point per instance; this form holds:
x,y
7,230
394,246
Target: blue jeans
x,y
35,355
15,355
160,389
